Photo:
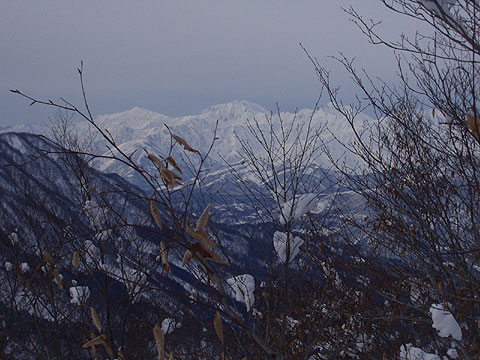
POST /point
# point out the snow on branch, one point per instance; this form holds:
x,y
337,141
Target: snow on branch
x,y
280,244
243,287
444,322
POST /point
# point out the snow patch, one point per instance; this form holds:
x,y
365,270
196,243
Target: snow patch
x,y
169,324
280,244
79,294
444,322
243,287
410,352
297,207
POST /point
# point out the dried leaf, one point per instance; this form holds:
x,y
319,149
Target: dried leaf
x,y
156,161
75,259
208,254
201,236
159,341
47,257
164,253
155,213
170,178
184,143
96,319
474,125
203,219
107,347
58,279
217,323
186,257
172,162
171,356
120,355
99,340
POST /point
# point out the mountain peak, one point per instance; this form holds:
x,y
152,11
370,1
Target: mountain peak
x,y
236,108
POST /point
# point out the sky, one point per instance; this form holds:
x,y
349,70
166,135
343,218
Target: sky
x,y
178,57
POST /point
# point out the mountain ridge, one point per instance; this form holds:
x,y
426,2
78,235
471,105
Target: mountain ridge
x,y
138,130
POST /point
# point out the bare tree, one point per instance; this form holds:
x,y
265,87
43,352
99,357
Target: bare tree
x,y
421,180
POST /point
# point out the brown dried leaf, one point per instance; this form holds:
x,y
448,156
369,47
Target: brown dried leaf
x,y
474,125
75,259
58,279
107,347
208,254
172,162
186,257
96,319
184,143
155,213
201,236
120,355
99,340
47,257
203,219
159,341
171,356
170,178
164,253
156,161
217,323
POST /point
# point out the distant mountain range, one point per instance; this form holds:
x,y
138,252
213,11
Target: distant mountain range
x,y
139,130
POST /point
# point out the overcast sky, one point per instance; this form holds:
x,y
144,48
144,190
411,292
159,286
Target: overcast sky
x,y
178,57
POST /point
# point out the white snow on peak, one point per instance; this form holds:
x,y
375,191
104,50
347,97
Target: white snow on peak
x,y
137,129
235,109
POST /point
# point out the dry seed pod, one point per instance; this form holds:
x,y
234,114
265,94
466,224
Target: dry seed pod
x,y
163,250
159,341
75,259
96,319
217,323
155,213
203,219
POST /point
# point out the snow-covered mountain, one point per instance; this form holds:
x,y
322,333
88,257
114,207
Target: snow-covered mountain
x,y
138,130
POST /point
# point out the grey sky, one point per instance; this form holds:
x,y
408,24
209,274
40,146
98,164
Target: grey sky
x,y
177,57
